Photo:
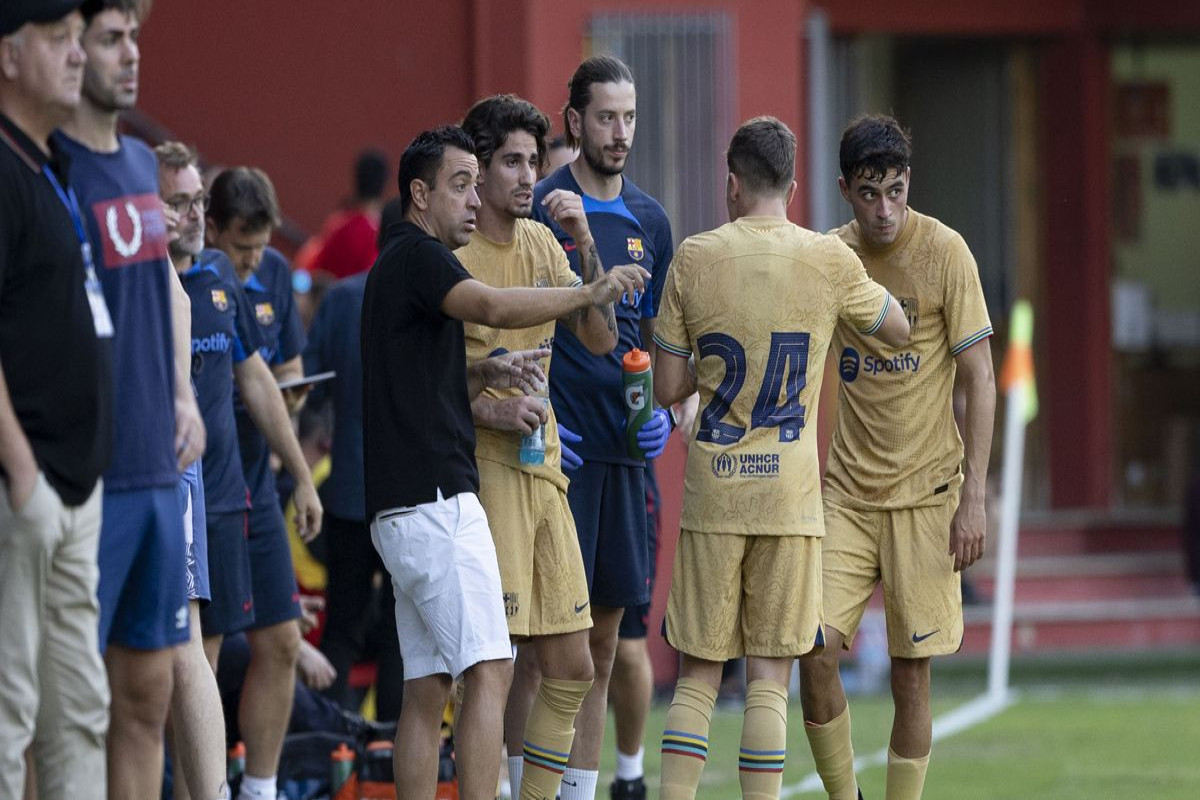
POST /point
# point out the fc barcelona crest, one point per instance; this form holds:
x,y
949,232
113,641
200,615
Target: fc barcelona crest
x,y
911,309
634,245
220,300
264,313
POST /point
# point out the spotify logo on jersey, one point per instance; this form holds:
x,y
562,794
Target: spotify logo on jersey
x,y
848,364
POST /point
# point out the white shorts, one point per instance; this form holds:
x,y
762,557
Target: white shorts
x,y
449,602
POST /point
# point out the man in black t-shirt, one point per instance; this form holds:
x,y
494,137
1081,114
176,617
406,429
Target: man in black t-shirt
x,y
419,445
55,420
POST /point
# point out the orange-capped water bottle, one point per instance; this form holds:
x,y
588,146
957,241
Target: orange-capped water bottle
x,y
341,768
639,397
235,762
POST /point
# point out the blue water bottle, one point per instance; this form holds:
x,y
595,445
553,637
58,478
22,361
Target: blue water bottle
x,y
533,445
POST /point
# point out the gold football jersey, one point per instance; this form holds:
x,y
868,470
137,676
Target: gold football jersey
x,y
756,302
896,444
532,259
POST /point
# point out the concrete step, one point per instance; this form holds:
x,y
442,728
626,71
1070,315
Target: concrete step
x,y
1105,625
1108,576
1082,532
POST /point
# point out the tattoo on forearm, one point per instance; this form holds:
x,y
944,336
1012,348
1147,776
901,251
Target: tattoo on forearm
x,y
590,266
590,263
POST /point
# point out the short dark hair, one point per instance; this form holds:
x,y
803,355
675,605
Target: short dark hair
x,y
244,193
91,8
423,158
492,119
872,146
597,69
370,174
762,154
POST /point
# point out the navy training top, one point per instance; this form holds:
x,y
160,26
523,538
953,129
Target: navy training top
x,y
118,195
281,334
586,390
222,336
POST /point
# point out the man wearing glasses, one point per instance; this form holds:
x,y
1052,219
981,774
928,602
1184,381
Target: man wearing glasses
x,y
225,349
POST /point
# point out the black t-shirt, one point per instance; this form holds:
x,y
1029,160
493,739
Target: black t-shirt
x,y
418,436
58,370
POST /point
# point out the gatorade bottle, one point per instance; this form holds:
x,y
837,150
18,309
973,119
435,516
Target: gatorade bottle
x,y
639,397
341,767
235,762
533,445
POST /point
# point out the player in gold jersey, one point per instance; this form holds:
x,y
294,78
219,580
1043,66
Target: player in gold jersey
x,y
896,467
541,567
755,303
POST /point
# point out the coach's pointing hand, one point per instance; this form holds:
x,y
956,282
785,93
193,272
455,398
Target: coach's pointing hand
x,y
622,279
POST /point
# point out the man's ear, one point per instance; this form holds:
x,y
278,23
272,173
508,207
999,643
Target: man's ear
x,y
419,190
8,58
575,123
844,188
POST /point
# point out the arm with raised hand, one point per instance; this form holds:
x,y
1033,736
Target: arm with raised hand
x,y
594,326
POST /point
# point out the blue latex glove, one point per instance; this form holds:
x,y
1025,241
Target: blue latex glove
x,y
570,460
652,437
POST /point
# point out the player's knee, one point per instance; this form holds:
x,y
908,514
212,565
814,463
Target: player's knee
x,y
910,680
819,666
578,669
144,699
490,676
279,644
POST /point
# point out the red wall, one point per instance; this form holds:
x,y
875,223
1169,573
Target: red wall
x,y
270,83
299,93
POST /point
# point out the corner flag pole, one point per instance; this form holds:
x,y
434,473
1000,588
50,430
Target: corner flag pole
x,y
1016,379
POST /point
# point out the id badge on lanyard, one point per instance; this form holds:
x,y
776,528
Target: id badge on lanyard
x,y
91,283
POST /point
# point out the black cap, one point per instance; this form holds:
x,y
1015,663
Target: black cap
x,y
15,13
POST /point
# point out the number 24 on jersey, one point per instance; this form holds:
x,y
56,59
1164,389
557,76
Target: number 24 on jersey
x,y
786,371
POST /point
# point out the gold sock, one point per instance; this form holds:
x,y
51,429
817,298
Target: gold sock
x,y
548,736
764,741
905,776
833,753
685,739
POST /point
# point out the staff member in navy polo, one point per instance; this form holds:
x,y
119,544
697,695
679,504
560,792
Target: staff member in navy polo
x,y
242,212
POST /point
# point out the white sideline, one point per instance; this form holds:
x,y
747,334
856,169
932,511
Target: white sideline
x,y
966,716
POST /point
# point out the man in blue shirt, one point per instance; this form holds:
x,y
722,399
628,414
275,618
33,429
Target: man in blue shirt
x,y
224,348
608,492
242,213
142,592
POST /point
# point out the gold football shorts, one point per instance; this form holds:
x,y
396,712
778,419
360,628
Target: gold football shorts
x,y
541,568
733,595
908,551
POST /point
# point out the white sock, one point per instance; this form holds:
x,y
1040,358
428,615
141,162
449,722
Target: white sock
x,y
257,788
579,784
516,766
630,767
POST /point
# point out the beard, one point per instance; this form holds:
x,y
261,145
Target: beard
x,y
594,156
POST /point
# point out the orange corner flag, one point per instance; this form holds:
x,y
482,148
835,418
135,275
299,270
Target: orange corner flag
x,y
1017,372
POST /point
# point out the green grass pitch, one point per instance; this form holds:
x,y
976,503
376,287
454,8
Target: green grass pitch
x,y
1081,729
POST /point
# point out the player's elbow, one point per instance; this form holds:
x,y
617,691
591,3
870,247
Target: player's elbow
x,y
491,311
